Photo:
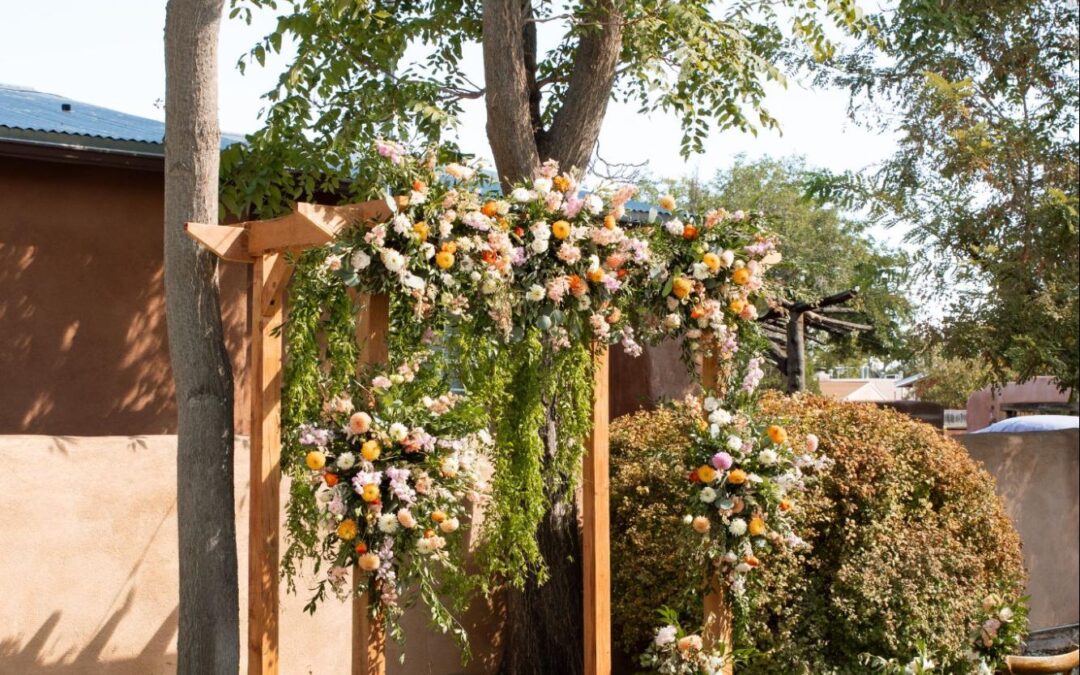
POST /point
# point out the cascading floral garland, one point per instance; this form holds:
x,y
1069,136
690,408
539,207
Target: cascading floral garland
x,y
514,293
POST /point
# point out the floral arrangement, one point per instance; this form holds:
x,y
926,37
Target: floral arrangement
x,y
673,651
393,475
745,480
709,280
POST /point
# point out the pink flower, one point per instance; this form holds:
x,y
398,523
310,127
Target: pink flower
x,y
569,254
721,461
572,206
382,382
557,289
811,442
391,150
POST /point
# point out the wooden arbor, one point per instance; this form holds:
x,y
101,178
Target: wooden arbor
x,y
265,244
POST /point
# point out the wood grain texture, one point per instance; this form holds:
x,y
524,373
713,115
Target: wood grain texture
x,y
265,379
1031,665
718,626
368,633
596,530
228,242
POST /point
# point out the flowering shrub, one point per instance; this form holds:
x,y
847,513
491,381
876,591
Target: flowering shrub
x,y
906,539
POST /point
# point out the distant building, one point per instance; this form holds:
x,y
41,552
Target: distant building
x,y
1039,396
869,389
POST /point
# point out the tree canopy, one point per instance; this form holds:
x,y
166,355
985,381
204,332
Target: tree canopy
x,y
985,98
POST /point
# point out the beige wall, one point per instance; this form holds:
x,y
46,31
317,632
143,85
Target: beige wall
x,y
88,563
984,406
1038,476
83,347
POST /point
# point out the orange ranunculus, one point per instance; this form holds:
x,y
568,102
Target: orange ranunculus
x,y
736,477
756,527
346,529
560,183
438,516
519,231
697,312
712,261
777,434
489,256
419,185
560,229
751,560
741,276
578,287
449,247
331,479
785,505
361,548
444,259
614,316
609,221
681,287
595,275
689,232
370,450
370,493
706,473
489,209
315,460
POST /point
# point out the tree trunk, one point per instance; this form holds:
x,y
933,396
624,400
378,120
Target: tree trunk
x,y
545,624
209,639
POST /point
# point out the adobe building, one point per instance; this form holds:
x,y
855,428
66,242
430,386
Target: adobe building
x,y
83,347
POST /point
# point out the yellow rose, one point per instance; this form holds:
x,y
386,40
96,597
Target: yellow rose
x,y
736,477
560,229
741,276
681,287
444,259
370,450
346,530
370,492
712,261
777,434
706,473
315,460
757,527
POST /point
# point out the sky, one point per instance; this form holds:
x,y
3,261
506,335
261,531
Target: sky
x,y
111,54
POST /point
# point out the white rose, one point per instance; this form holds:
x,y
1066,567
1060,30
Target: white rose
x,y
711,403
539,245
720,417
1006,614
360,260
346,461
535,293
737,527
701,271
674,227
734,443
767,457
392,260
542,184
594,204
522,195
727,258
388,523
398,432
707,495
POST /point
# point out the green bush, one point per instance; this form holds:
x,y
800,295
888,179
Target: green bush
x,y
907,538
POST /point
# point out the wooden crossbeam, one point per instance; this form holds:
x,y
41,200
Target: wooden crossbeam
x,y
228,242
596,528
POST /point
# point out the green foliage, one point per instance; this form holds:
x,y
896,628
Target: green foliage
x,y
950,382
906,539
986,174
825,251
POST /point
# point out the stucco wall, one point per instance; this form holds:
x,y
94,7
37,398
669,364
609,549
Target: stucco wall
x,y
1038,476
90,576
83,346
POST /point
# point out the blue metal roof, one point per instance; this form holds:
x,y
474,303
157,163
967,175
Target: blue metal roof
x,y
26,109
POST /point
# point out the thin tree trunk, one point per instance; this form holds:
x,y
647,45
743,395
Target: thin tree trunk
x,y
209,639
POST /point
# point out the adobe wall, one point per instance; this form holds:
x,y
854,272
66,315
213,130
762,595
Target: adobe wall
x,y
1038,476
91,579
83,347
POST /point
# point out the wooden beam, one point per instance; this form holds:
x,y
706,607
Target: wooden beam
x,y
228,242
1030,665
264,503
275,281
827,322
596,530
796,353
717,615
368,632
290,233
336,218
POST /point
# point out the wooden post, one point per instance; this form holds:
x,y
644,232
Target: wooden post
x,y
796,352
596,543
718,626
267,290
368,634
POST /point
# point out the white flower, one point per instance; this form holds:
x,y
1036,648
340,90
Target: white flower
x,y
1006,614
449,525
594,204
410,280
324,494
522,195
446,228
428,545
539,245
687,519
730,557
459,172
402,224
734,443
416,197
346,461
701,271
398,431
737,527
720,417
743,568
727,258
707,495
392,260
450,466
542,184
360,260
490,285
674,227
672,321
540,229
767,457
711,403
388,523
535,293
665,636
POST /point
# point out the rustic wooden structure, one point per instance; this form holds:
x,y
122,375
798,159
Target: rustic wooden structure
x,y
265,244
1032,665
787,331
